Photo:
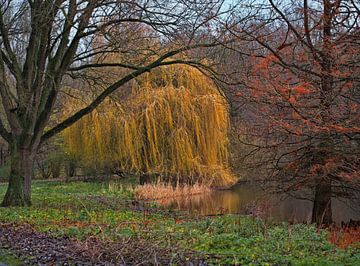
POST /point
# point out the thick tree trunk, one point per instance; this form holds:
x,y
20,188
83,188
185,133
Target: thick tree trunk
x,y
19,189
144,179
322,212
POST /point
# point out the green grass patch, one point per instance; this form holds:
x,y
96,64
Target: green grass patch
x,y
247,241
9,259
83,209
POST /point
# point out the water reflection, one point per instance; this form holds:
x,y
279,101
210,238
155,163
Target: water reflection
x,y
251,199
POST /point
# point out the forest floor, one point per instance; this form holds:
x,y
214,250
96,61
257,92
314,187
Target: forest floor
x,y
88,223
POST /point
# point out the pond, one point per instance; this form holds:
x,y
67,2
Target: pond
x,y
252,199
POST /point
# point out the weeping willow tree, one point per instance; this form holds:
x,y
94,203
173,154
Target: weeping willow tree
x,y
174,124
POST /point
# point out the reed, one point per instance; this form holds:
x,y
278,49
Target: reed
x,y
163,190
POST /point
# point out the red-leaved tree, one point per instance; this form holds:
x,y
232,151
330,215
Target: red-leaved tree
x,y
301,81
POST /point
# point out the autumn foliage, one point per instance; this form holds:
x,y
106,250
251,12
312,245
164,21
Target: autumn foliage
x,y
345,237
301,90
174,124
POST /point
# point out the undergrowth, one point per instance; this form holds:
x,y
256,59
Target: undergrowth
x,y
82,210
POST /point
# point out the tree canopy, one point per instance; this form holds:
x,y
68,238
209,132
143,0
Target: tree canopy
x,y
173,123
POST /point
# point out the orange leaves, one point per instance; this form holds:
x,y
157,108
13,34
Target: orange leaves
x,y
344,238
297,93
343,169
316,169
344,129
301,89
292,100
292,166
265,62
348,176
329,166
290,128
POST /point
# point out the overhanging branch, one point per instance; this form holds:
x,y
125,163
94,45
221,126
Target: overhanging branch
x,y
100,98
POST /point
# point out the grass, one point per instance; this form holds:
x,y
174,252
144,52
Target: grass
x,y
9,259
82,210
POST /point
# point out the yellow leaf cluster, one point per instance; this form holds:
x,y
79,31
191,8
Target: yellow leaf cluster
x,y
175,124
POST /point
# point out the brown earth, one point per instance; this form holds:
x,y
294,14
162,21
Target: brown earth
x,y
38,248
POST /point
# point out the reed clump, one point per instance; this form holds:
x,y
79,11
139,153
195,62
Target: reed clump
x,y
162,190
175,122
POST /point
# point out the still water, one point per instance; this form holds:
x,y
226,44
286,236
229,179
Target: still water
x,y
251,199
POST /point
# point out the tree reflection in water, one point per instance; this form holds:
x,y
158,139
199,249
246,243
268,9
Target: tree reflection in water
x,y
251,199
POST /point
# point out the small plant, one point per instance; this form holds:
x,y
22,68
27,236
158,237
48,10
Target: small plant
x,y
115,187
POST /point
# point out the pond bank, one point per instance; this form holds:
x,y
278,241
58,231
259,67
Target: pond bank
x,y
250,198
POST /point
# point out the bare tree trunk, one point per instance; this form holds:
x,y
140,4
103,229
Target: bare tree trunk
x,y
19,189
322,212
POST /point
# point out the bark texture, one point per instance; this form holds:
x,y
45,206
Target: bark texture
x,y
322,212
19,189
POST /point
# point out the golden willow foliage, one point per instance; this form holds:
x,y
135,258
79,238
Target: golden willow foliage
x,y
175,124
